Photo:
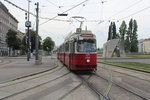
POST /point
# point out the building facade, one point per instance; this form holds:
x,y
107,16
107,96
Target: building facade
x,y
20,35
144,45
7,21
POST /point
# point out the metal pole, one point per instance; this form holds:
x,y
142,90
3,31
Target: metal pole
x,y
28,34
37,36
28,43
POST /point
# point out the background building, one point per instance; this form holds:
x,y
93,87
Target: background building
x,y
144,45
140,46
7,21
20,35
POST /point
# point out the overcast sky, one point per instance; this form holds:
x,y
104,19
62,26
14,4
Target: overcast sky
x,y
113,10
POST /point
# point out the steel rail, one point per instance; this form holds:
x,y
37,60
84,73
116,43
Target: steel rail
x,y
99,93
126,73
123,87
33,87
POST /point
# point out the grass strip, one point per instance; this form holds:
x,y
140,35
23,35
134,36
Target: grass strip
x,y
132,65
140,56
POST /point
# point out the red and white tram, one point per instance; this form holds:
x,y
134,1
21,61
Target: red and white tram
x,y
78,52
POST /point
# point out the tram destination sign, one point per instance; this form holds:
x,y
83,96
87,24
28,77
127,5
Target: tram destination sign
x,y
87,35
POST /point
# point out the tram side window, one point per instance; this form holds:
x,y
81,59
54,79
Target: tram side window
x,y
72,47
67,47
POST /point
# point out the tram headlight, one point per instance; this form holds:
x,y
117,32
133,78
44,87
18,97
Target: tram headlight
x,y
88,60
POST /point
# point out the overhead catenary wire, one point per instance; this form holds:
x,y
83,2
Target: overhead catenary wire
x,y
52,3
82,7
64,12
31,12
54,18
121,11
135,12
46,18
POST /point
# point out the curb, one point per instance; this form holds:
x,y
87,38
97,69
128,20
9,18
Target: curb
x,y
125,67
30,75
122,58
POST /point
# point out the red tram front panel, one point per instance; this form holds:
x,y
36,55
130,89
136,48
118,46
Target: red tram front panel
x,y
83,61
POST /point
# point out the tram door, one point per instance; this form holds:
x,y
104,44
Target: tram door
x,y
71,54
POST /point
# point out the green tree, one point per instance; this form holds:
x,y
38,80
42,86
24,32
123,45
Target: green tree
x,y
110,32
17,44
11,37
48,44
24,43
123,30
114,33
127,44
32,38
131,42
12,41
134,39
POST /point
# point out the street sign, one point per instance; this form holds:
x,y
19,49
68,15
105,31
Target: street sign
x,y
62,14
28,24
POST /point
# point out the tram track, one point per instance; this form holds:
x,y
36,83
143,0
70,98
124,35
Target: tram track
x,y
113,70
93,88
123,87
34,86
105,95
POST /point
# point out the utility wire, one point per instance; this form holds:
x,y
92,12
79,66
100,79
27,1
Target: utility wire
x,y
19,7
121,11
135,13
64,12
53,4
33,13
53,17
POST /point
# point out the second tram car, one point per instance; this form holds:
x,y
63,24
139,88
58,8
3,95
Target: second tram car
x,y
78,52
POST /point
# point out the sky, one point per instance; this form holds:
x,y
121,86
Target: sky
x,y
91,10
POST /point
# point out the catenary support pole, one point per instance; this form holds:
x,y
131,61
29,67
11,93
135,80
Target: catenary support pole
x,y
37,36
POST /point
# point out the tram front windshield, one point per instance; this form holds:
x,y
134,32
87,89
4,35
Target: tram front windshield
x,y
86,46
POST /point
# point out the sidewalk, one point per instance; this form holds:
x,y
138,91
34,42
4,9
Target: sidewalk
x,y
48,84
21,67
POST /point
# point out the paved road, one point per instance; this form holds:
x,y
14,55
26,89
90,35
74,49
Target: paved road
x,y
125,60
60,84
19,67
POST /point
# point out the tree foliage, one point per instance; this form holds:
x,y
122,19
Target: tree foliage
x,y
32,38
48,44
128,35
12,40
131,42
123,30
134,39
112,34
